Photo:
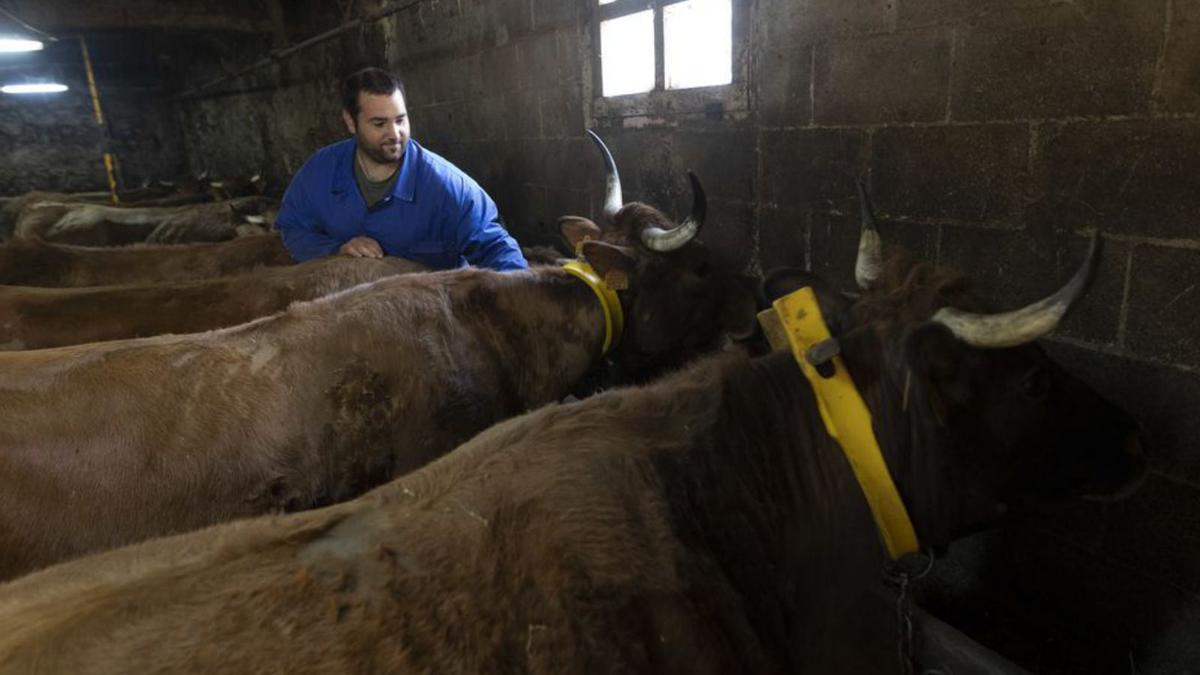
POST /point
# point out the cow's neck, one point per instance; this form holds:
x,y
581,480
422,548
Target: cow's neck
x,y
778,506
547,328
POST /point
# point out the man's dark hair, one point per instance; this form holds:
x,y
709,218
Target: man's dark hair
x,y
371,80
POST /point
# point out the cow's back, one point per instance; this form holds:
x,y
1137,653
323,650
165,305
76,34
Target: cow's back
x,y
544,549
37,318
25,262
302,409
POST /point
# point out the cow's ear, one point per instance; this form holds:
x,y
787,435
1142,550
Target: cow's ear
x,y
614,264
939,364
576,230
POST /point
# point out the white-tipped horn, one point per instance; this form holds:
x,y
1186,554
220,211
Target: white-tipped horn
x,y
1009,329
870,246
255,220
612,180
658,239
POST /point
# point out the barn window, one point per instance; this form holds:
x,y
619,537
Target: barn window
x,y
657,45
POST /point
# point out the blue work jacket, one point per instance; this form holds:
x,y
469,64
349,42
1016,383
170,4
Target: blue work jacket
x,y
435,214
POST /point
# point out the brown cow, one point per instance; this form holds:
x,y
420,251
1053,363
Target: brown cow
x,y
706,523
36,318
332,397
31,262
106,225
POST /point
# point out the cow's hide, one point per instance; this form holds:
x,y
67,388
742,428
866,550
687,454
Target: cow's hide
x,y
37,318
32,262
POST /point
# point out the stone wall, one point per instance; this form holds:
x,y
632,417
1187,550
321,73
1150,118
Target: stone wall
x,y
994,137
52,141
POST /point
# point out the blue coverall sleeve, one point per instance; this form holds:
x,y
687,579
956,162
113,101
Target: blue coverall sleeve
x,y
300,225
482,240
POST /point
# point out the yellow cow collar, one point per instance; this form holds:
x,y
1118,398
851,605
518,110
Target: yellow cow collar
x,y
796,322
614,317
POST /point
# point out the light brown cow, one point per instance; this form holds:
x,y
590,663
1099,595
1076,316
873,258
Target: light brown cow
x,y
705,524
32,262
106,225
150,196
37,318
319,403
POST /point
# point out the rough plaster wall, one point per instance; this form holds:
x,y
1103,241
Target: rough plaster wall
x,y
993,136
272,121
52,142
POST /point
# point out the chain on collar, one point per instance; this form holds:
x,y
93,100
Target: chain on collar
x,y
901,573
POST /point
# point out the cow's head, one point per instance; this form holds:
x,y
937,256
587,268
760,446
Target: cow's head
x,y
974,418
678,300
232,187
253,215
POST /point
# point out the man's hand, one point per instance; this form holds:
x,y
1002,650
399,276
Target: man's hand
x,y
361,247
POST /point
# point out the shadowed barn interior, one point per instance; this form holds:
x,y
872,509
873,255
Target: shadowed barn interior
x,y
995,137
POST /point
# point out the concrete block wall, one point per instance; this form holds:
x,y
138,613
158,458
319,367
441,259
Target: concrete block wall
x,y
497,88
994,136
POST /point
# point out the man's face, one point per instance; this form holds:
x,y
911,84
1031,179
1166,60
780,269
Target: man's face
x,y
381,126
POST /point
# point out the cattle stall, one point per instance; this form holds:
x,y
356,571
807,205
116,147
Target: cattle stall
x,y
150,145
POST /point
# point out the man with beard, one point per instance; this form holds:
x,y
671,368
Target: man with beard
x,y
380,193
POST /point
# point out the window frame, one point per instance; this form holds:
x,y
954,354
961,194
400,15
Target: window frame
x,y
660,102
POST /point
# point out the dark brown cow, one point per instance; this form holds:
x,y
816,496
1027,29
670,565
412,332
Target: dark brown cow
x,y
107,225
36,318
706,523
31,262
232,187
330,398
543,255
245,217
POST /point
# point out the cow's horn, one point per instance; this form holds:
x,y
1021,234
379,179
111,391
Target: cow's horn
x,y
612,180
870,246
658,239
1009,329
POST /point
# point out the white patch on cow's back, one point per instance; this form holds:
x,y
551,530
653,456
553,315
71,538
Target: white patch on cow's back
x,y
90,215
85,216
263,355
183,359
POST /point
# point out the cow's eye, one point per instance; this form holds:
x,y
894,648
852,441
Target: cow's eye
x,y
1035,385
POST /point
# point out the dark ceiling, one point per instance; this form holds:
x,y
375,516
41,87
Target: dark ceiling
x,y
82,16
150,43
